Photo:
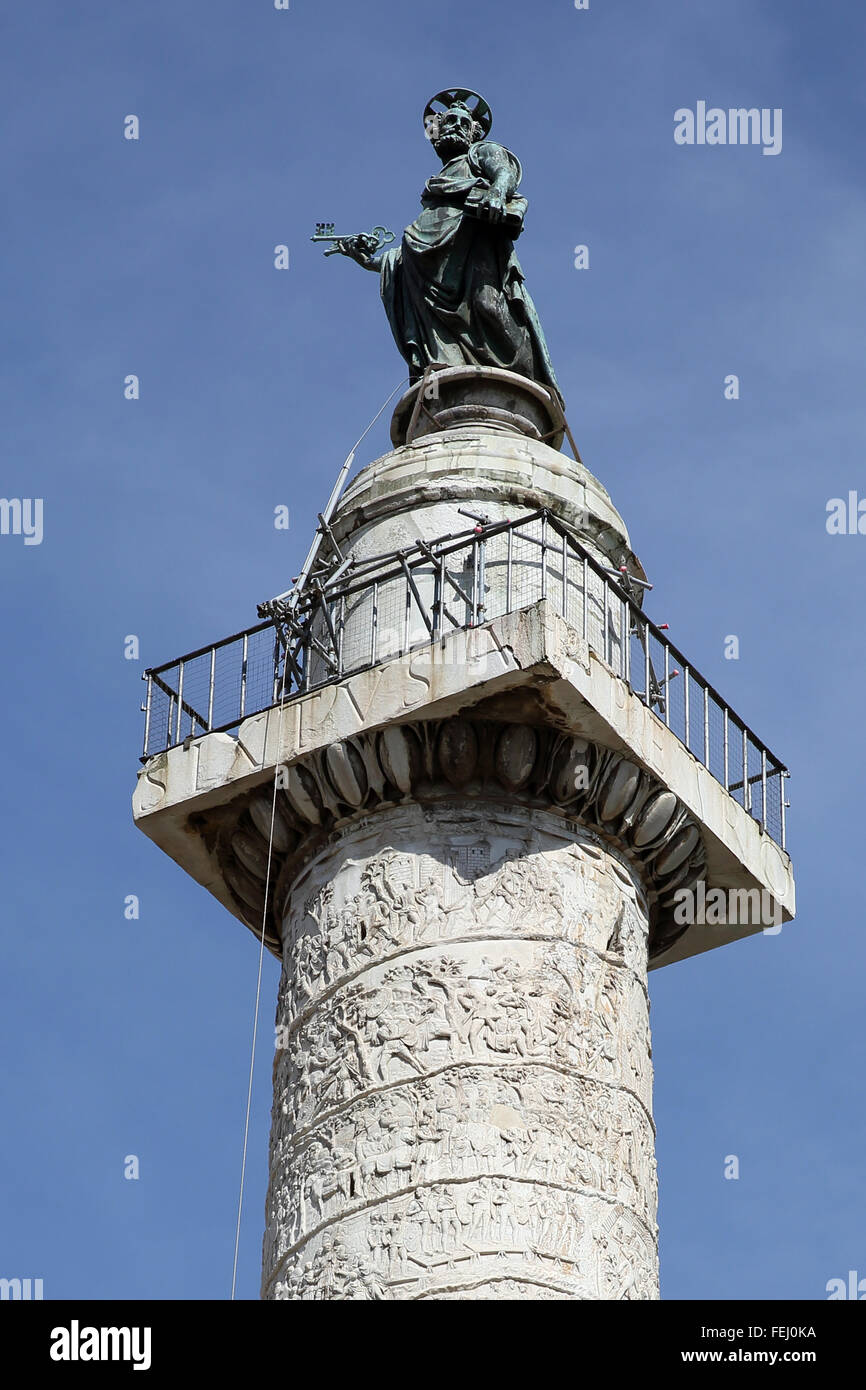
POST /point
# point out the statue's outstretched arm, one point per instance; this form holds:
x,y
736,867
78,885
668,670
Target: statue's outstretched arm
x,y
361,249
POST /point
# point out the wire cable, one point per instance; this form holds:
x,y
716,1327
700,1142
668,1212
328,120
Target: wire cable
x,y
349,459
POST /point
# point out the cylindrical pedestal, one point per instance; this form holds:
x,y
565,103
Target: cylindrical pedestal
x,y
462,1087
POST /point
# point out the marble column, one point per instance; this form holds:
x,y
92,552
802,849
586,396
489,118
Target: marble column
x,y
462,1086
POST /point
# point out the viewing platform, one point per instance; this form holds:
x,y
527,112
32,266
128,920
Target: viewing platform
x,y
388,606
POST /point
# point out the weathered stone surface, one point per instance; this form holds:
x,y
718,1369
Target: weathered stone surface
x,y
465,396
417,490
463,1084
516,753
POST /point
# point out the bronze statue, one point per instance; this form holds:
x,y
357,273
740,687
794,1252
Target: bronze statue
x,y
454,290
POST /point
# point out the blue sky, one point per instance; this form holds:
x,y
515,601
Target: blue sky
x,y
155,257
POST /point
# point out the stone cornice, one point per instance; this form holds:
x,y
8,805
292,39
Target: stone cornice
x,y
435,760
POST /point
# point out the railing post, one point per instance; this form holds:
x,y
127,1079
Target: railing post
x,y
341,629
210,688
244,676
585,601
706,727
508,565
374,625
686,678
439,600
544,555
725,742
564,577
177,737
763,788
747,790
147,706
627,646
667,685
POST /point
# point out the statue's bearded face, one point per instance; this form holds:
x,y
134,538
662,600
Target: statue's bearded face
x,y
455,132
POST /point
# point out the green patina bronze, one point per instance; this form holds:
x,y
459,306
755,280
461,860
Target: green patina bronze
x,y
454,289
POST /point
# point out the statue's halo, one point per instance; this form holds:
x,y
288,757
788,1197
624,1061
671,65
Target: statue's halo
x,y
477,105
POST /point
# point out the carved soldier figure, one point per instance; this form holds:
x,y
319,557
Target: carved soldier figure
x,y
476,1199
450,1225
399,1033
427,1134
332,1252
500,1199
398,1156
542,1152
609,1279
415,1220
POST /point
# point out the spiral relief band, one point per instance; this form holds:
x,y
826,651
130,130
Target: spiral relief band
x,y
462,1085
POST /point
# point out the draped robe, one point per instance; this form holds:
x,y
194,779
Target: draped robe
x,y
454,290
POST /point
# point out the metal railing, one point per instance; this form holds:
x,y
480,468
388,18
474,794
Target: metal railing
x,y
387,605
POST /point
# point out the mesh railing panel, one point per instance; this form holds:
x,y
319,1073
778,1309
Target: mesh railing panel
x,y
455,585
